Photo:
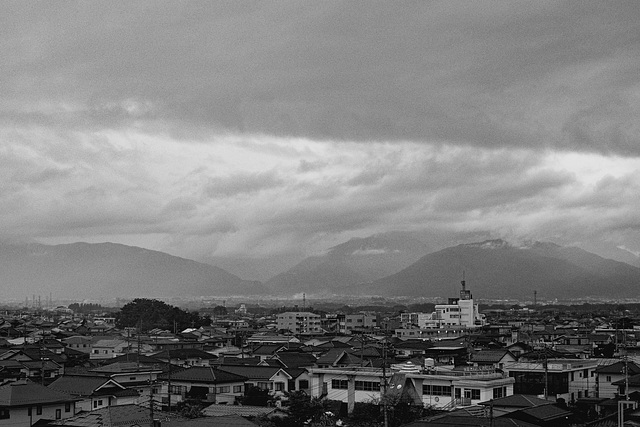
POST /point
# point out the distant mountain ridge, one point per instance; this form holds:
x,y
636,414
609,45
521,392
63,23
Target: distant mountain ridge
x,y
358,260
498,269
109,270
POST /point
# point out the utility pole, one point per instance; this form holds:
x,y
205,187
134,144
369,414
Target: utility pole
x,y
151,399
384,381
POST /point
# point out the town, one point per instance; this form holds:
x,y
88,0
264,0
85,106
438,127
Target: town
x,y
150,363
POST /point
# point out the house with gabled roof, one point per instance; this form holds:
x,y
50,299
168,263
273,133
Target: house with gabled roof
x,y
186,357
266,351
95,392
608,376
208,384
339,357
493,358
272,378
23,403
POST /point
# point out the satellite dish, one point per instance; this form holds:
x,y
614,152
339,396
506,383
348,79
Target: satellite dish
x,y
399,386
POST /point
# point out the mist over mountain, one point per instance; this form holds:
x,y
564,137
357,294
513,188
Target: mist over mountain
x,y
355,261
497,269
108,270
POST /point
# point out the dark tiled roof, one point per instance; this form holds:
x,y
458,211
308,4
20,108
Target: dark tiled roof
x,y
619,368
252,372
449,420
184,353
81,385
518,401
25,392
206,374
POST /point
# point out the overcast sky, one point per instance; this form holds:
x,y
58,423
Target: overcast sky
x,y
264,128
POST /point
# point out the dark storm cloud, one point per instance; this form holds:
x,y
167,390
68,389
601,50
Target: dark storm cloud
x,y
476,73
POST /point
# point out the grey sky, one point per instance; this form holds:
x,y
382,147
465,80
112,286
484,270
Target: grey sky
x,y
262,128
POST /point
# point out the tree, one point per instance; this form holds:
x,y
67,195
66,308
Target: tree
x,y
148,314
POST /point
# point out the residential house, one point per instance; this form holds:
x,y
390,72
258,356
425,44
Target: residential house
x,y
208,384
23,403
95,391
272,378
108,348
186,357
608,377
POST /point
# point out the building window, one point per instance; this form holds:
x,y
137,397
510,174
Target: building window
x,y
279,386
39,410
58,414
609,378
237,389
436,390
132,378
340,384
475,393
367,386
176,389
5,414
95,404
265,386
303,384
67,407
223,389
498,392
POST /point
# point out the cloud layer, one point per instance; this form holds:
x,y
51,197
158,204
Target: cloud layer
x,y
229,128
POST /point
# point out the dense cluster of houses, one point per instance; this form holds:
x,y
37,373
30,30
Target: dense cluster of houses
x,y
62,369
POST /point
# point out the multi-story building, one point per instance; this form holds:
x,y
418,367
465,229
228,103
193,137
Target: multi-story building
x,y
301,322
439,388
459,311
419,320
360,322
569,379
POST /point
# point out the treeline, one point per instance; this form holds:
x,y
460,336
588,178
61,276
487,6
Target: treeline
x,y
146,314
86,308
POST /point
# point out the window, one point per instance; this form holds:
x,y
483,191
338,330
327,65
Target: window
x,y
475,393
279,386
67,407
572,375
58,414
498,392
367,386
132,378
5,414
95,404
223,389
39,410
237,389
176,389
303,384
436,390
340,384
609,378
265,386
100,402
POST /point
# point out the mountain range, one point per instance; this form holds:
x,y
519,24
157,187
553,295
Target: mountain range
x,y
108,270
386,265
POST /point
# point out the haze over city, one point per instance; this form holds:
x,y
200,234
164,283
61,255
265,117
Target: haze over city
x,y
274,131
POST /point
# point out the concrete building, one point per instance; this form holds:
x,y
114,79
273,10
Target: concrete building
x,y
569,379
459,311
444,389
302,322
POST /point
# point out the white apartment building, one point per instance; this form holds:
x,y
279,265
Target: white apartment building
x,y
299,322
444,389
459,311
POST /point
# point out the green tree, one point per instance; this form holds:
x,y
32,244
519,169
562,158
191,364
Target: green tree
x,y
148,314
